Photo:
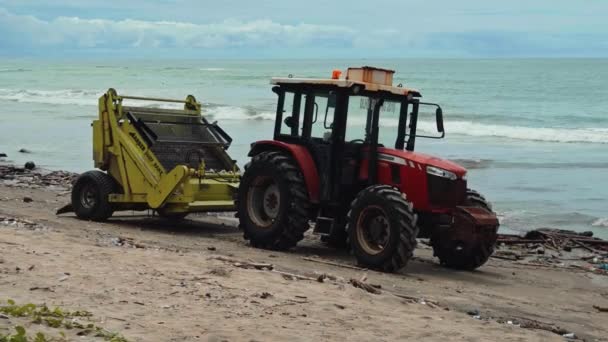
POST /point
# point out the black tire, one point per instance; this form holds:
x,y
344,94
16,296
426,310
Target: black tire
x,y
475,199
272,202
90,196
471,258
395,215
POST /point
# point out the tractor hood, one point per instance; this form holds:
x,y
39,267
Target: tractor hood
x,y
422,160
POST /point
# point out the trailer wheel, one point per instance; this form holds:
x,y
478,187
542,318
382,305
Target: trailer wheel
x,y
90,196
272,203
458,254
382,228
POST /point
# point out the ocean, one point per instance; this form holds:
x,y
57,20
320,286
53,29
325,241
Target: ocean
x,y
532,132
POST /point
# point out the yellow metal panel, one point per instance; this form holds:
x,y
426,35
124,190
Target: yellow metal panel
x,y
98,148
159,193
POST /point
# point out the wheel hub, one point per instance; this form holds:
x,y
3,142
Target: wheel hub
x,y
264,201
373,230
88,196
271,201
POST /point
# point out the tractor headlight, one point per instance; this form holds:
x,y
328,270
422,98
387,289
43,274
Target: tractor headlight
x,y
435,171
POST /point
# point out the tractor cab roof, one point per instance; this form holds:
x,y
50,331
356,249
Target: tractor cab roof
x,y
369,79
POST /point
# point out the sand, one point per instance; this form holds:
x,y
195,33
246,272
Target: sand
x,y
156,280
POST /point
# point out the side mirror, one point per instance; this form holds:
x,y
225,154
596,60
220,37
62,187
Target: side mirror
x,y
289,122
439,118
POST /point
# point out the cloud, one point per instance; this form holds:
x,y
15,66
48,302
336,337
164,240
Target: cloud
x,y
104,33
24,35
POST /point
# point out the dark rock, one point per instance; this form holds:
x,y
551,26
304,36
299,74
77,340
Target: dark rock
x,y
27,199
3,155
23,150
473,312
30,165
211,248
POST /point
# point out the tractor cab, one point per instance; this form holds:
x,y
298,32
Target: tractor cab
x,y
346,122
343,159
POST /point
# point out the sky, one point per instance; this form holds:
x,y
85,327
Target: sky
x,y
303,29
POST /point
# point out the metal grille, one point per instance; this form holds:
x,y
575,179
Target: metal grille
x,y
188,144
171,154
444,192
193,133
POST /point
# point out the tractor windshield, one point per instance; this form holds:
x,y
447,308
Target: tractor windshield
x,y
360,109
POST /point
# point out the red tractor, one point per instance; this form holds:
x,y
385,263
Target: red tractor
x,y
328,165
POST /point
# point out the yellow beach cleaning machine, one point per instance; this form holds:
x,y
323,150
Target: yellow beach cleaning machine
x,y
173,161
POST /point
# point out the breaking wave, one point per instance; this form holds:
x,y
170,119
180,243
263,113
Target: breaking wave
x,y
601,222
495,164
64,96
15,70
211,69
573,135
473,163
221,113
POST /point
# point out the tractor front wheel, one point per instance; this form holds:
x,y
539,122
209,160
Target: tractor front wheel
x,y
465,255
273,205
382,228
90,196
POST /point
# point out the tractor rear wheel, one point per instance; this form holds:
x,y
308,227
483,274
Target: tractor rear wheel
x,y
452,255
90,196
382,228
273,205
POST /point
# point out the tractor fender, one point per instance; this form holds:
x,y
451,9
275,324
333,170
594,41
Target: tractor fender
x,y
302,157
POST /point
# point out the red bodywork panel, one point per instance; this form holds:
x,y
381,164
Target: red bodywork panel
x,y
412,171
302,157
412,174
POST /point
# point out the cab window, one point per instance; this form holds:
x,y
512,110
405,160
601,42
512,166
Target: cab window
x,y
323,115
359,117
292,114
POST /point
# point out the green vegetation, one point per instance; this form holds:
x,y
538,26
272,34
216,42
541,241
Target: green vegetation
x,y
53,318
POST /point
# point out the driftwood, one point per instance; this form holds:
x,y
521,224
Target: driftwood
x,y
245,264
509,241
533,324
335,264
505,257
583,245
293,276
365,286
600,308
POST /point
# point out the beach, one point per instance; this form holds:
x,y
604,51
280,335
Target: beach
x,y
149,279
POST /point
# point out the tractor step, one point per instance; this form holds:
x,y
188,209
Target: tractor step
x,y
323,225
